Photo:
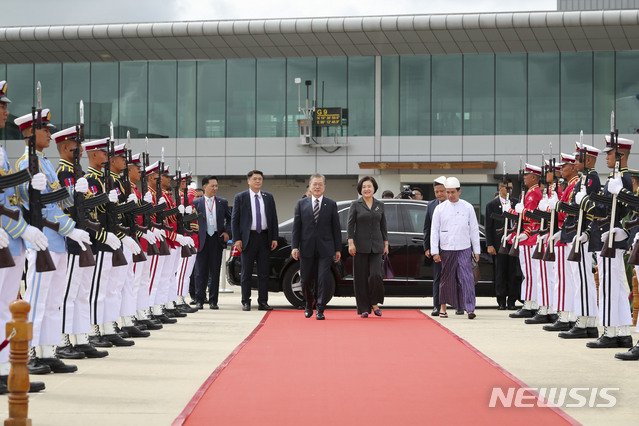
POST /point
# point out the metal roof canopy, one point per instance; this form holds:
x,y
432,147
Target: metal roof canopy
x,y
518,32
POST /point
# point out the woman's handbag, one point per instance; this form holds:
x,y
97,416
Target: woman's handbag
x,y
387,269
476,273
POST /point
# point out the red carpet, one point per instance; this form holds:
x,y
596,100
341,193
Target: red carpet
x,y
401,369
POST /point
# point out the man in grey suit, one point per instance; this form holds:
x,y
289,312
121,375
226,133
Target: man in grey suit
x,y
317,237
440,196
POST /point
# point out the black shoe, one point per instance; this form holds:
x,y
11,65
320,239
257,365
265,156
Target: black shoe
x,y
192,302
174,313
246,306
572,323
603,342
33,386
264,307
624,341
575,333
319,315
122,333
501,307
553,317
117,340
139,325
523,313
557,326
199,306
631,355
135,332
308,313
90,351
57,366
35,366
435,312
512,307
538,319
150,324
213,306
100,342
593,332
185,308
164,319
68,352
205,301
459,312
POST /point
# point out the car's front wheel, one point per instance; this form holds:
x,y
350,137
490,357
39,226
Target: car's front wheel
x,y
292,286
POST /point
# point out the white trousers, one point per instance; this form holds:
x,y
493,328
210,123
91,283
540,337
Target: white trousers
x,y
113,299
168,285
155,280
564,280
100,285
530,272
75,305
614,308
45,293
585,299
129,289
9,287
142,281
183,277
545,283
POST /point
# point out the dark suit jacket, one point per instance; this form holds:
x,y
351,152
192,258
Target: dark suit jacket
x,y
367,227
323,237
491,225
241,217
223,216
428,219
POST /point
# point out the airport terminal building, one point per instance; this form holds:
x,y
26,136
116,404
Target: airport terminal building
x,y
405,98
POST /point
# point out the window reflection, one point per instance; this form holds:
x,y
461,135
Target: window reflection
x,y
162,99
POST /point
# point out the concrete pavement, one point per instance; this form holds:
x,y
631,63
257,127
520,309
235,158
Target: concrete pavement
x,y
151,382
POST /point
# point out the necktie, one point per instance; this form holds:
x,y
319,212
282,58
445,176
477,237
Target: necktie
x,y
316,210
258,215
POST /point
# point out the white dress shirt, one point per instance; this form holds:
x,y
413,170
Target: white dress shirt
x,y
454,227
320,201
262,212
211,216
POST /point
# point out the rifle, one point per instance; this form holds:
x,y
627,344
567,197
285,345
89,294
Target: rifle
x,y
574,255
44,262
112,222
151,249
162,214
538,254
503,248
9,181
194,215
131,217
79,211
608,249
186,250
549,256
514,250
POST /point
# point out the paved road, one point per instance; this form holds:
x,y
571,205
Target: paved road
x,y
151,382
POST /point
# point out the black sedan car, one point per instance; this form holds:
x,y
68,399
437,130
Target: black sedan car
x,y
413,270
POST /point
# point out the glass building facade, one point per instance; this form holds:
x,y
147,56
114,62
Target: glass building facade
x,y
438,95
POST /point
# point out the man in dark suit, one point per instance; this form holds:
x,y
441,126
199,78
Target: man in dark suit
x,y
317,237
440,197
214,230
255,232
506,267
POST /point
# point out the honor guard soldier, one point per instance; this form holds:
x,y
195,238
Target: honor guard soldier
x,y
565,286
13,234
187,264
526,240
614,311
580,266
75,306
45,290
97,154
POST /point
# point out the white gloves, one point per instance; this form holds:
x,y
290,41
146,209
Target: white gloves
x,y
159,234
113,241
519,207
132,197
161,200
583,238
181,209
556,237
619,235
579,197
4,238
189,241
39,181
2,158
130,243
189,210
181,240
81,237
543,204
148,197
113,196
82,186
149,237
552,202
522,237
36,237
615,185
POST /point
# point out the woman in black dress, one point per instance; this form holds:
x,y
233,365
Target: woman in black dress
x,y
367,242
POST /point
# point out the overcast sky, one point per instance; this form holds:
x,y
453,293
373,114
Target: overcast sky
x,y
63,12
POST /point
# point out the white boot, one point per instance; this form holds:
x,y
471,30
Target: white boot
x,y
572,316
48,351
142,314
81,339
5,368
610,331
127,321
591,322
624,330
582,322
108,328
